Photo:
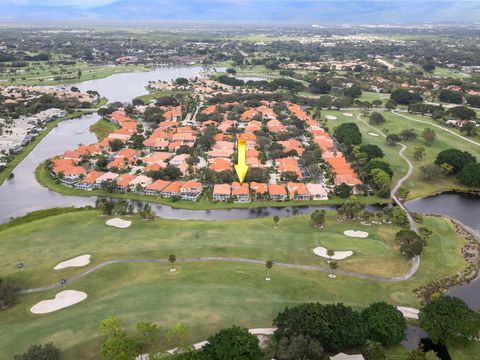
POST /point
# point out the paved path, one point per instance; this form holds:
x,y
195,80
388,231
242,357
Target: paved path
x,y
406,276
393,193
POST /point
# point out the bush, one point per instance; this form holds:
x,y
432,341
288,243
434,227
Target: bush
x,y
450,96
348,134
376,118
404,97
385,324
462,112
335,326
320,87
232,343
470,175
343,190
298,347
450,321
378,164
457,159
8,294
373,350
40,352
399,216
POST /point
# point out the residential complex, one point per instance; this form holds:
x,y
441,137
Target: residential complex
x,y
173,161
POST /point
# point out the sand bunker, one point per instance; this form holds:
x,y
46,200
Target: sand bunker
x,y
337,255
330,117
373,134
119,223
408,312
354,233
348,114
79,261
62,300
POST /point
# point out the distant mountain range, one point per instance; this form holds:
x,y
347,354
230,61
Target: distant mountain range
x,y
294,11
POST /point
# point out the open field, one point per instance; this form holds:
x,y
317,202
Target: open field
x,y
418,186
205,296
446,72
102,128
395,123
155,94
370,96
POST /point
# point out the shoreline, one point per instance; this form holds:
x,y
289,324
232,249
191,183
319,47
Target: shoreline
x,y
45,179
470,252
18,158
40,174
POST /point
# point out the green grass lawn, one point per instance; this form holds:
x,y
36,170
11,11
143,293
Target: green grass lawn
x,y
205,296
102,128
395,124
417,185
446,72
155,94
370,96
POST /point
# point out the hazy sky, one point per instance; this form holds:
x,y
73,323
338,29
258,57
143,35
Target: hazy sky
x,y
359,11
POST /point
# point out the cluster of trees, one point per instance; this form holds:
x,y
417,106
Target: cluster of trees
x,y
36,105
273,85
8,294
318,218
376,118
449,321
277,83
231,343
462,112
169,172
452,161
450,96
470,175
411,244
353,209
118,345
473,100
348,134
335,327
404,97
122,207
110,207
373,169
320,87
47,351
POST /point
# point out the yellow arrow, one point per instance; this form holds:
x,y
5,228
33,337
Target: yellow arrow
x,y
241,167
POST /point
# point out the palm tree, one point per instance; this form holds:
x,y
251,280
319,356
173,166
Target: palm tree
x,y
330,253
276,219
333,266
268,265
171,259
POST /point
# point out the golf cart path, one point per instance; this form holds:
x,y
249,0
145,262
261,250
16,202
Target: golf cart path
x,y
406,276
393,193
